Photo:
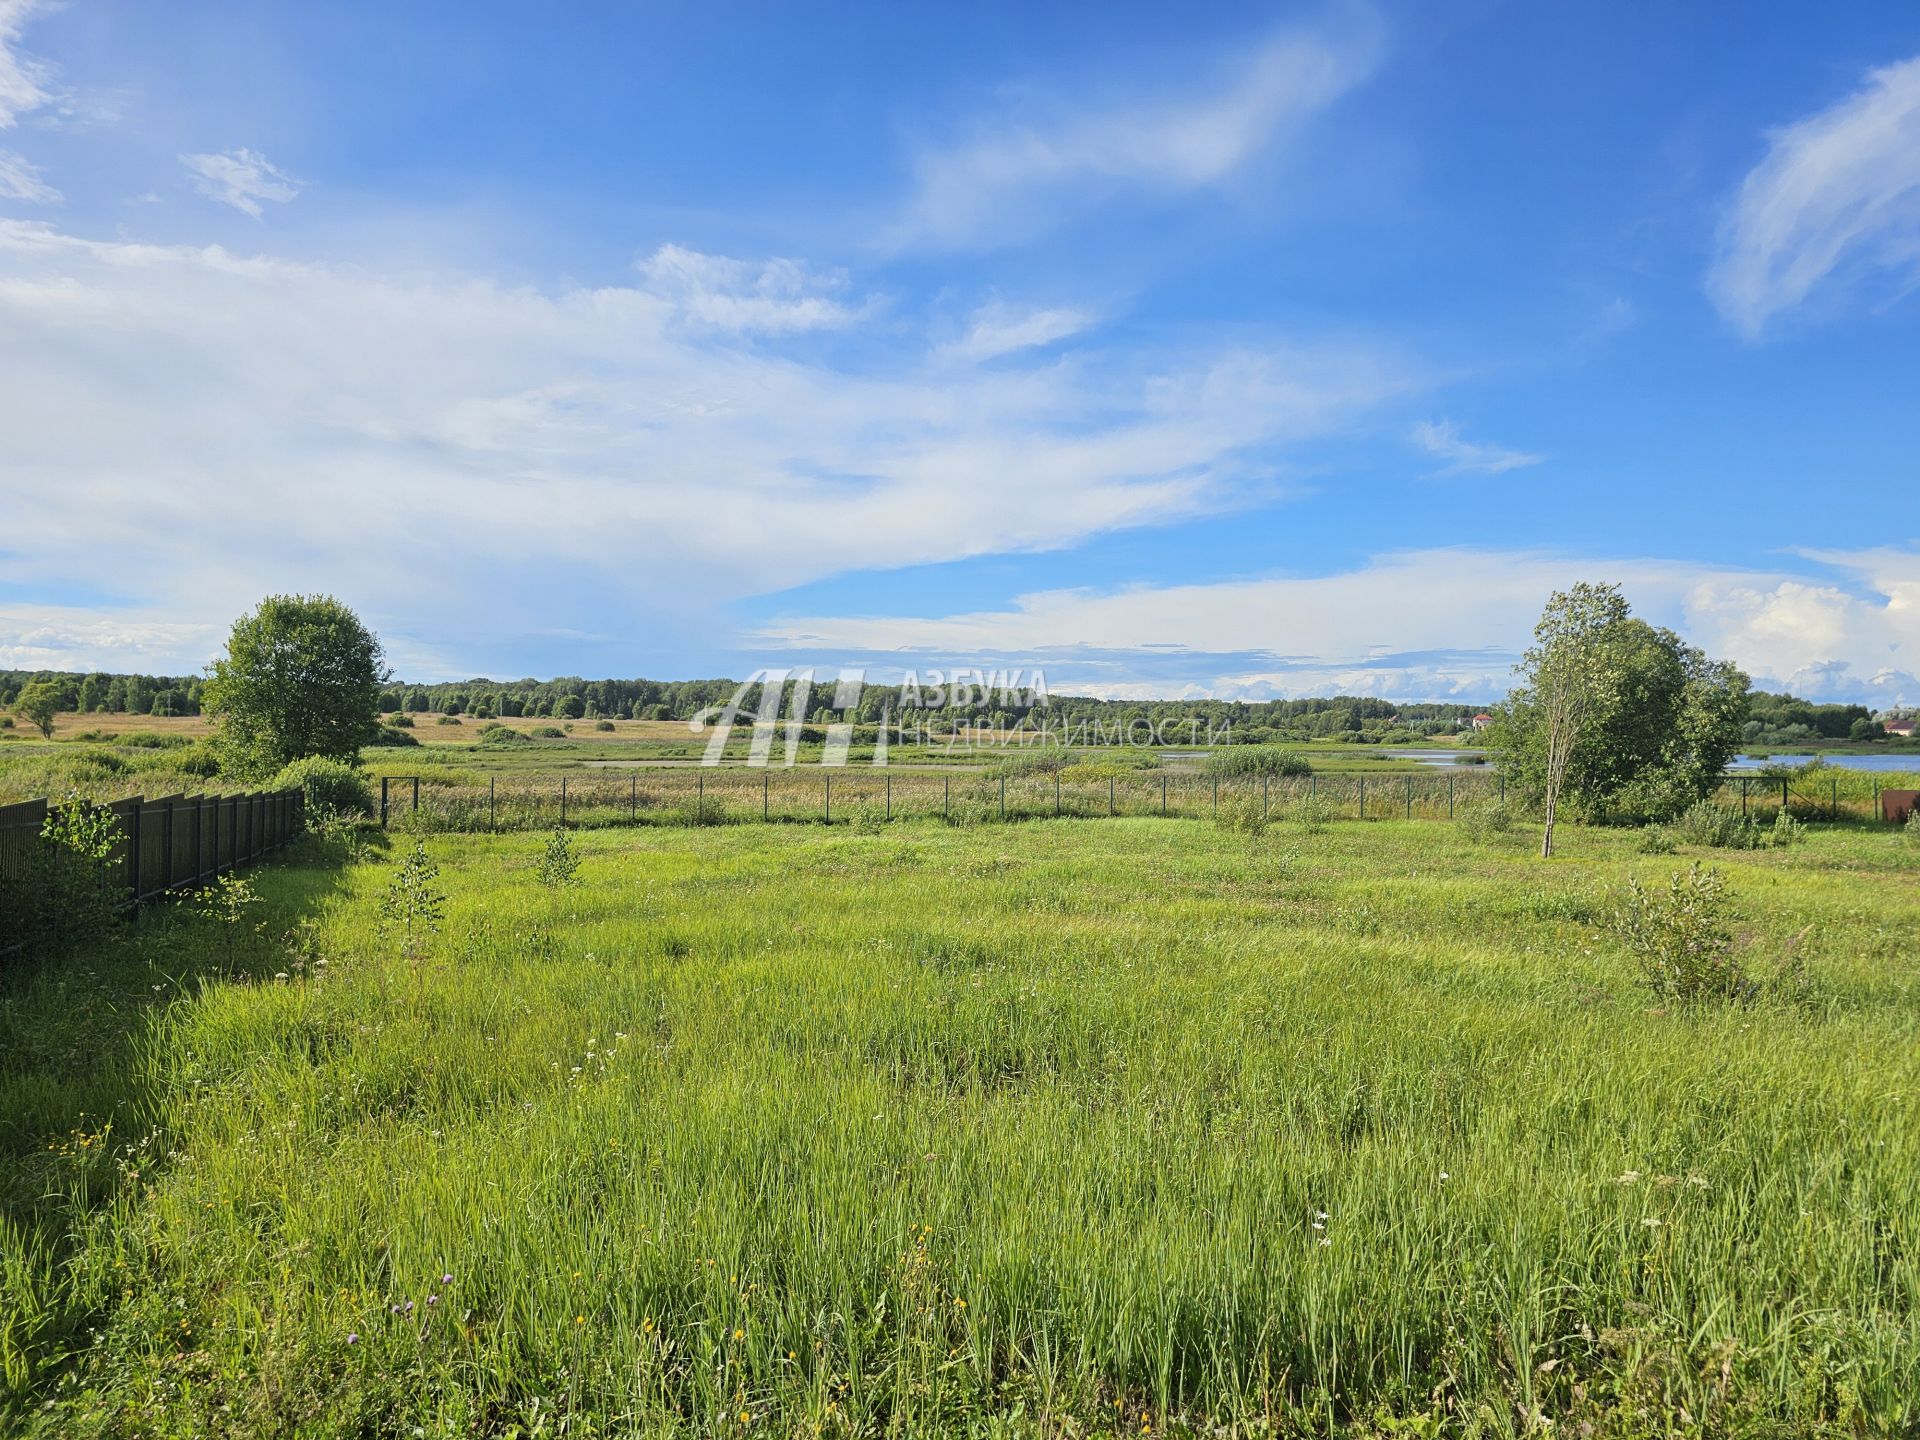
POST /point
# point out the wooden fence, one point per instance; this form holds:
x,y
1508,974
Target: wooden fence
x,y
169,843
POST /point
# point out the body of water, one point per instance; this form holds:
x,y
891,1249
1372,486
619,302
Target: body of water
x,y
1838,762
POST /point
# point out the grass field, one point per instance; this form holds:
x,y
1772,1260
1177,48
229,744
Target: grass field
x,y
1055,1128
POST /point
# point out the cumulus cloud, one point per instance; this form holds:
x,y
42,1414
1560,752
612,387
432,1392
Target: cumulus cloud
x,y
20,180
1418,624
1838,194
1441,439
240,178
450,451
1000,329
1016,174
766,296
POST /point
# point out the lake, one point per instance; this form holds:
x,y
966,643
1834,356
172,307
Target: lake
x,y
1838,762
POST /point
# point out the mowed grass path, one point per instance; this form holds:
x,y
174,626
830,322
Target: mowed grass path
x,y
1058,1128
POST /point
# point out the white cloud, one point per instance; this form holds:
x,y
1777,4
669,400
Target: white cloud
x,y
1000,329
20,180
1442,439
451,452
240,178
1838,193
764,297
1419,624
25,83
1016,175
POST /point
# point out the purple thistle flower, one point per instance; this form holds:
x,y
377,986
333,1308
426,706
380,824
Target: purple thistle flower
x,y
433,1299
446,1279
353,1337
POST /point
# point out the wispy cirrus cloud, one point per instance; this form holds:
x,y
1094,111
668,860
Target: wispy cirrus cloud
x,y
240,178
1441,439
26,83
768,297
1838,194
1016,174
998,328
20,180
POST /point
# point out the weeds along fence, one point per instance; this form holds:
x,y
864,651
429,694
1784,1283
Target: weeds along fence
x,y
697,796
702,796
169,843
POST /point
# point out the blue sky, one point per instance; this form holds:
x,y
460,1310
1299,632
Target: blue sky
x,y
1254,351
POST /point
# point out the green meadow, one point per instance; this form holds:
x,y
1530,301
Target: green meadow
x,y
1057,1128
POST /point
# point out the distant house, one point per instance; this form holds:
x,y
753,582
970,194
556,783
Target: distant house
x,y
1902,726
1482,720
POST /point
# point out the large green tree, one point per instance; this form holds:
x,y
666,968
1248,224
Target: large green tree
x,y
1614,716
39,702
301,677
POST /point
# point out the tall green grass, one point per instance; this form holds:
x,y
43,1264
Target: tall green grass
x,y
1060,1129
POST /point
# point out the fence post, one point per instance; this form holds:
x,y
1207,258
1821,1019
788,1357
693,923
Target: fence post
x,y
218,801
416,794
134,847
888,778
700,795
633,799
493,821
383,802
563,802
829,800
1833,801
1216,794
1109,797
166,851
1784,803
1056,794
1163,797
1003,797
766,795
1743,795
1409,797
946,796
1265,787
1363,797
1449,797
1503,789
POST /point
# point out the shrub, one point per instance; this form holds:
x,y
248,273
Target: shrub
x,y
328,785
1786,831
400,721
1484,820
383,738
547,732
1258,760
603,725
1656,840
201,761
68,889
1704,823
497,734
1681,940
1243,815
559,862
1313,813
448,720
152,740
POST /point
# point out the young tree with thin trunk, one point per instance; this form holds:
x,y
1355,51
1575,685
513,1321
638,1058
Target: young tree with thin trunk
x,y
1572,673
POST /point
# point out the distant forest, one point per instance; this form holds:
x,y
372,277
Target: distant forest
x,y
1773,719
